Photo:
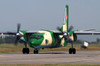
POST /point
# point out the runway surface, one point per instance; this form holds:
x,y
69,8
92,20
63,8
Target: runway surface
x,y
82,57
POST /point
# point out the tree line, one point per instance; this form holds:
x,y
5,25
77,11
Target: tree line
x,y
7,39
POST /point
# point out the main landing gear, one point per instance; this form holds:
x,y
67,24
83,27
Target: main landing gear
x,y
25,51
72,50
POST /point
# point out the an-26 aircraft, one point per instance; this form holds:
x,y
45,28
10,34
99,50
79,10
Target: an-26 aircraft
x,y
49,39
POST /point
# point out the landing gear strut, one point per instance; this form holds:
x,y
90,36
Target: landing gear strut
x,y
25,50
36,51
72,50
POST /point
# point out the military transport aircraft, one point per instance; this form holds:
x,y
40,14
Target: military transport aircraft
x,y
49,39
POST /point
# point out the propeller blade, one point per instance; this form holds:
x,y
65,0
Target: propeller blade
x,y
71,27
59,29
62,37
65,33
18,27
17,34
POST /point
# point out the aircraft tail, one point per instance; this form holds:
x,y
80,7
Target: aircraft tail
x,y
65,26
66,19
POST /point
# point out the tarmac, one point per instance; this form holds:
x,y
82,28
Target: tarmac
x,y
81,57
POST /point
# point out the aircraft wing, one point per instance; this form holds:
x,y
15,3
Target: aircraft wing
x,y
80,33
86,33
8,33
55,32
14,33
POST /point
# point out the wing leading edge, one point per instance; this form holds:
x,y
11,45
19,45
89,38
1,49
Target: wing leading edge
x,y
86,33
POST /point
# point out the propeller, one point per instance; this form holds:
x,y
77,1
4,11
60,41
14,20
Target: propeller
x,y
18,35
65,33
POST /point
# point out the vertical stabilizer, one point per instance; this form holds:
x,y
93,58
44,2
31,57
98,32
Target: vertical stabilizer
x,y
67,16
66,19
65,26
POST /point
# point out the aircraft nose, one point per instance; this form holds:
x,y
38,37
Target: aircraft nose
x,y
32,42
35,42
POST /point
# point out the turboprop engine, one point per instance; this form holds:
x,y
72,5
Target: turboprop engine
x,y
75,37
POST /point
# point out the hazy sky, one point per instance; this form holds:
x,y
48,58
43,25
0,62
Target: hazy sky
x,y
48,14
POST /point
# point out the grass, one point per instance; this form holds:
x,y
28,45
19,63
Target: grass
x,y
11,48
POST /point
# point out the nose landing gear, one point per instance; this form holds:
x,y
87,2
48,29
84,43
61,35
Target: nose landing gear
x,y
36,51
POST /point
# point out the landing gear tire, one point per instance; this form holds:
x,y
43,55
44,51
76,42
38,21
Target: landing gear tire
x,y
72,51
35,51
25,51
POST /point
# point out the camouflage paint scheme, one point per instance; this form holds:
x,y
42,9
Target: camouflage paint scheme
x,y
46,35
47,38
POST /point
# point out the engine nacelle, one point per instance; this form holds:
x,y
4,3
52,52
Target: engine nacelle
x,y
75,36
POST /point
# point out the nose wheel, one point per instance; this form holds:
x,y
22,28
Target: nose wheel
x,y
36,51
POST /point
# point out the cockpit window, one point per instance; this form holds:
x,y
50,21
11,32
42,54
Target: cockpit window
x,y
36,36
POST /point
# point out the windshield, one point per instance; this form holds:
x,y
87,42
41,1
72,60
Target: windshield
x,y
36,37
